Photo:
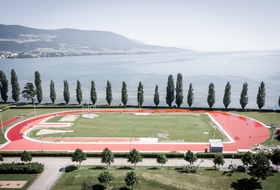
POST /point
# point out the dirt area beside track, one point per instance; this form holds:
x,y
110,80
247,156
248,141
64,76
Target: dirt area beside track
x,y
12,184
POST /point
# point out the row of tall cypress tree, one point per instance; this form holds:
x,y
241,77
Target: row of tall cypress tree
x,y
172,92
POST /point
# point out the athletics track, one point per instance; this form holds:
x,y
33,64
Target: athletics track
x,y
244,133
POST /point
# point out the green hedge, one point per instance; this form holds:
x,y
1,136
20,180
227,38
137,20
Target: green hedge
x,y
21,168
89,154
24,105
225,155
120,154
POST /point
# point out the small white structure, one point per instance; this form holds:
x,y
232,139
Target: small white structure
x,y
88,112
142,114
89,116
216,145
243,150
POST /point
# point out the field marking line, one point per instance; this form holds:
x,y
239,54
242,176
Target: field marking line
x,y
222,129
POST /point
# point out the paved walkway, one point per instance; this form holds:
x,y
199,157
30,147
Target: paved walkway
x,y
54,167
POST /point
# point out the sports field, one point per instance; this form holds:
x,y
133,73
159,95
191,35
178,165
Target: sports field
x,y
188,127
242,132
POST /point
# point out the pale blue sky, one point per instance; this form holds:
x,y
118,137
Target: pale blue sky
x,y
207,25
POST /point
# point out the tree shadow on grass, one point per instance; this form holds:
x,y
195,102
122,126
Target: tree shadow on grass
x,y
98,168
178,169
228,173
153,168
98,187
70,168
245,183
211,169
124,188
125,168
92,186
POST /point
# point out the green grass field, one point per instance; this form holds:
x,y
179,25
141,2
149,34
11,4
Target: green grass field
x,y
166,127
153,178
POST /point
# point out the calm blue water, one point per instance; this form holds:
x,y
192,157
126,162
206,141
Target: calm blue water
x,y
197,68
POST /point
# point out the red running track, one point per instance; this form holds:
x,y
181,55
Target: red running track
x,y
245,132
5,123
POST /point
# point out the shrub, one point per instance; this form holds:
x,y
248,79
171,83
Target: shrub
x,y
189,169
87,185
21,168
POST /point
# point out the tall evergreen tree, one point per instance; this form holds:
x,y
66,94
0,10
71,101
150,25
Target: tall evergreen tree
x,y
52,92
15,86
29,92
4,86
170,91
226,99
179,90
156,96
79,92
109,96
211,95
244,96
140,94
190,95
37,82
66,93
124,93
93,95
261,95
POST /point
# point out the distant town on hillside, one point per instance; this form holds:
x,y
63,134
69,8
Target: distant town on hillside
x,y
23,42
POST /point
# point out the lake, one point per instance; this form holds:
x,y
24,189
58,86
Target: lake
x,y
198,68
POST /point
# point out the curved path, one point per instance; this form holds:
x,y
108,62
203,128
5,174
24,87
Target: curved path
x,y
243,132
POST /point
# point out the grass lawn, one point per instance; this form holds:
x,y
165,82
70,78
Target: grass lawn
x,y
166,127
30,178
153,178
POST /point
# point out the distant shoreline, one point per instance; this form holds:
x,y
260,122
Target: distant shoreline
x,y
36,54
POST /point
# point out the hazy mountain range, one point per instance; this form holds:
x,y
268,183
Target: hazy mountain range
x,y
23,39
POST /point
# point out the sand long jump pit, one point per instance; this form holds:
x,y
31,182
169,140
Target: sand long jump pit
x,y
12,184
